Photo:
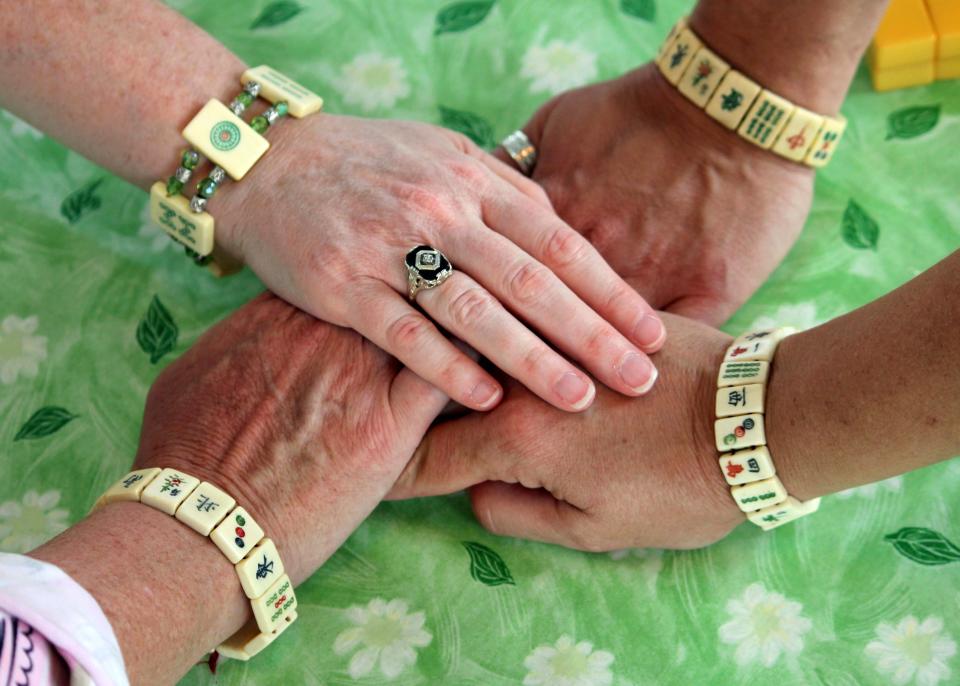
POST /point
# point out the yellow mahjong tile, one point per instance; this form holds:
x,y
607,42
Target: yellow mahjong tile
x,y
680,53
903,77
737,373
259,569
765,119
732,99
905,37
745,466
225,139
129,487
276,603
774,515
205,508
173,215
249,641
945,16
948,68
702,76
168,489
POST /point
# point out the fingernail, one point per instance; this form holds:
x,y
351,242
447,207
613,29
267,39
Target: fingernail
x,y
638,372
484,394
650,331
575,390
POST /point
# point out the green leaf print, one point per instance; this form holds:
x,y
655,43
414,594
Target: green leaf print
x,y
472,125
486,566
276,13
45,421
911,122
80,202
924,546
460,16
157,332
859,228
641,9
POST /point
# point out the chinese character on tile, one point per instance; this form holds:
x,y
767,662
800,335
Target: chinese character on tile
x,y
204,504
735,398
131,480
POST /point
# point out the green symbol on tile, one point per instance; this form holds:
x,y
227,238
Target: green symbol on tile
x,y
486,565
225,135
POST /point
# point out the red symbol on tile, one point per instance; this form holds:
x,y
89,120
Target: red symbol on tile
x,y
240,532
739,432
280,602
738,351
733,469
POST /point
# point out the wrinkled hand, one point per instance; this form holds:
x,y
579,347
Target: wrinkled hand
x,y
307,425
326,219
627,473
683,208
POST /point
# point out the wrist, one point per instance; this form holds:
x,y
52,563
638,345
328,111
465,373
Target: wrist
x,y
168,593
807,53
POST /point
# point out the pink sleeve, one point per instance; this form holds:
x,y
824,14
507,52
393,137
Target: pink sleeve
x,y
46,615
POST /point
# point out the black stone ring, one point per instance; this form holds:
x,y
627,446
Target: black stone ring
x,y
426,268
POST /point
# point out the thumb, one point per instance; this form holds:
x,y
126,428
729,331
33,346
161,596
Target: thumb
x,y
451,457
415,403
514,510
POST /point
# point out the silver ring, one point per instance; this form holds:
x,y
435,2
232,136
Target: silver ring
x,y
426,268
523,152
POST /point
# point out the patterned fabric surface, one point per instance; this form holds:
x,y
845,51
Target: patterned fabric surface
x,y
865,592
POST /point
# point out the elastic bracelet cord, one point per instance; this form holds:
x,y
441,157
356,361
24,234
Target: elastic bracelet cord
x,y
740,434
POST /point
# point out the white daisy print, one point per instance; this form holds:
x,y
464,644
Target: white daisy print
x,y
373,81
892,485
913,651
558,66
651,561
21,352
568,663
762,625
801,315
34,520
18,127
387,633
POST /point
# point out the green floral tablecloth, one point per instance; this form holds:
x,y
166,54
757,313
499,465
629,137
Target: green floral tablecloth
x,y
866,592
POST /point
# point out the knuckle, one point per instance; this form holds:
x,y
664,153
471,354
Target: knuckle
x,y
620,296
407,332
471,172
565,247
532,360
471,305
425,201
528,283
598,340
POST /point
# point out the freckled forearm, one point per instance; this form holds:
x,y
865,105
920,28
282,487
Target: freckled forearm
x,y
169,593
114,80
872,394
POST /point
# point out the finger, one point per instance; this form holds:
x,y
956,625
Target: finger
x,y
468,311
415,403
553,243
395,326
705,309
537,296
449,459
513,510
504,167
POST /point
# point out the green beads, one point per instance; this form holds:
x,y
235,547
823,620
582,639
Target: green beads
x,y
206,188
174,186
244,98
281,108
190,159
259,124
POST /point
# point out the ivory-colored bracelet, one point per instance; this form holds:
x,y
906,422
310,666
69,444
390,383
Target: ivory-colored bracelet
x,y
760,116
739,432
211,512
218,133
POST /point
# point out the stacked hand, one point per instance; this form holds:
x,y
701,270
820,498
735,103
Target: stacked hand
x,y
694,216
349,197
624,474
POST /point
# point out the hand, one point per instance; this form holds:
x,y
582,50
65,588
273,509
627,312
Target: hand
x,y
327,217
625,474
305,424
691,214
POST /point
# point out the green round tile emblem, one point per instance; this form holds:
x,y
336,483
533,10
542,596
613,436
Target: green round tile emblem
x,y
225,135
